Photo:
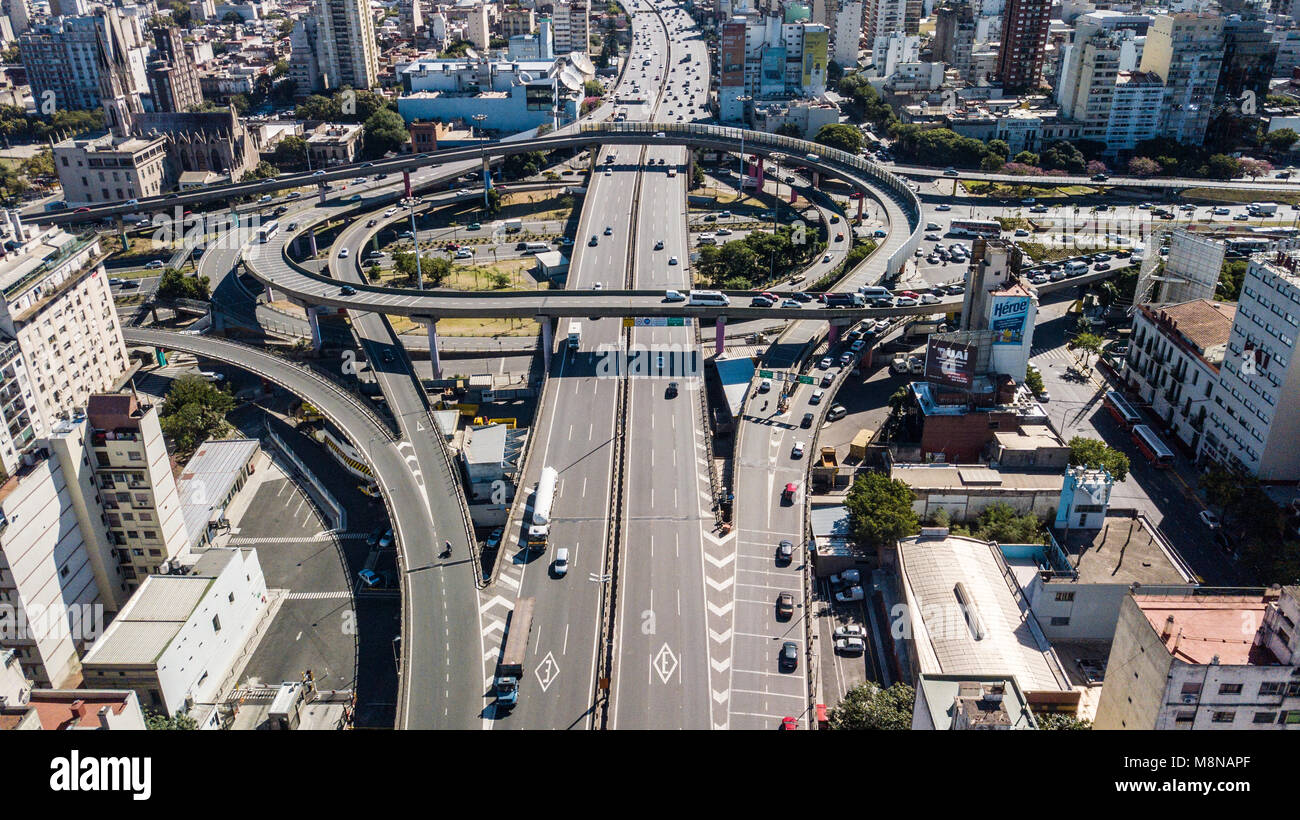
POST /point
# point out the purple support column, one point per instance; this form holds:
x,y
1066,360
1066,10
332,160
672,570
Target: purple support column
x,y
833,334
434,358
720,339
548,342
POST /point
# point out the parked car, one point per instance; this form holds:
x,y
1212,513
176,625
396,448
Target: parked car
x,y
1210,520
785,551
848,576
785,605
850,631
850,646
853,593
789,658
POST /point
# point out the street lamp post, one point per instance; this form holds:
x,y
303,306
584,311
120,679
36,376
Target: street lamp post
x,y
776,172
482,155
409,202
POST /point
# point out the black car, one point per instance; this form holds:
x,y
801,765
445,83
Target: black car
x,y
789,656
801,297
594,241
807,420
671,392
347,290
882,302
828,380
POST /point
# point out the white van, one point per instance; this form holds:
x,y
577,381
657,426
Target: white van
x,y
874,292
706,239
536,247
708,297
1076,265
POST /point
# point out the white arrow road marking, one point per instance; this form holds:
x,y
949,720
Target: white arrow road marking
x,y
721,562
721,610
718,585
720,665
495,601
721,697
720,637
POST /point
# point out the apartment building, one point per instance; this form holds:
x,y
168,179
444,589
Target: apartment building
x,y
1249,54
176,639
304,65
1135,110
55,303
1089,74
345,46
104,168
1186,52
884,17
954,36
515,22
1024,40
1254,418
58,578
846,32
1216,659
477,28
17,407
1173,362
62,61
572,27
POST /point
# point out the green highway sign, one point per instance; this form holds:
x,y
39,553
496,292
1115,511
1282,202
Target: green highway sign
x,y
806,380
765,374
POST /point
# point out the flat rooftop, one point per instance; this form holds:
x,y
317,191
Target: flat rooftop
x,y
207,478
1126,549
967,619
975,476
1210,627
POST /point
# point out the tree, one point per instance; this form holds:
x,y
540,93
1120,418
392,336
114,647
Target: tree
x,y
290,151
232,17
281,67
1255,167
1095,166
1095,453
385,131
593,88
1281,140
493,202
263,170
499,279
789,129
867,706
999,522
841,136
158,722
518,166
436,270
173,284
1001,149
1089,343
1222,166
1027,158
194,411
1143,167
1057,721
880,510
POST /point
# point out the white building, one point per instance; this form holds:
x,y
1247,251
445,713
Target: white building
x,y
888,51
572,29
345,46
1174,360
515,96
1213,660
1192,268
178,637
846,33
1254,418
1185,51
55,302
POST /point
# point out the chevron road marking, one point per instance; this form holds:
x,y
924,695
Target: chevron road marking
x,y
720,611
720,637
495,601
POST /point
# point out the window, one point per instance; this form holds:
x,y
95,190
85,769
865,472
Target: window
x,y
1065,596
1224,717
1191,689
1230,689
216,623
1184,717
1270,688
1059,621
1264,717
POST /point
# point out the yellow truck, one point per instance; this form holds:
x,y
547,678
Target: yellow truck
x,y
858,447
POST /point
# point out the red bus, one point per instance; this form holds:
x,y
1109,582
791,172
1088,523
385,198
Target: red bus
x,y
1152,447
1121,409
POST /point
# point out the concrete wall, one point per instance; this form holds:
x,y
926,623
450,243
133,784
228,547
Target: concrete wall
x,y
1136,674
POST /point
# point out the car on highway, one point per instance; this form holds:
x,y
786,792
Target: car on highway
x,y
785,551
1209,519
154,264
671,391
609,231
494,538
853,593
828,380
785,605
1038,209
950,172
760,301
850,631
816,397
473,226
807,420
347,290
343,253
659,244
789,656
1100,177
674,296
672,260
905,301
839,237
845,358
386,356
797,450
560,566
594,241
826,362
801,297
386,540
836,412
943,206
464,253
858,345
850,646
1021,232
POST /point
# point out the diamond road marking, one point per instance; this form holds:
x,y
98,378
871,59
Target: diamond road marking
x,y
665,663
547,671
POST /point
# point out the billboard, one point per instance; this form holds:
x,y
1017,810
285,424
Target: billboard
x,y
816,45
1008,315
731,54
949,363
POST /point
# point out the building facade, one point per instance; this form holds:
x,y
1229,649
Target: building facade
x,y
345,46
1024,40
1186,52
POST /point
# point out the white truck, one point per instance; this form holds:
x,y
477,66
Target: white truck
x,y
575,335
1262,208
514,225
544,496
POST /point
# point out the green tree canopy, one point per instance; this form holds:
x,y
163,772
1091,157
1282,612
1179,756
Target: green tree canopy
x,y
841,136
867,707
173,284
1095,453
880,510
194,411
385,131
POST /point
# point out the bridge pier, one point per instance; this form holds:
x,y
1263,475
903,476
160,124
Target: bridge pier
x,y
720,336
322,190
548,342
311,239
487,180
431,324
861,200
313,319
833,334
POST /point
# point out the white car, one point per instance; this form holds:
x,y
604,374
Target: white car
x,y
464,253
826,363
851,646
853,593
929,299
816,397
212,375
343,253
672,260
598,286
826,258
848,576
561,565
797,450
943,206
673,296
850,631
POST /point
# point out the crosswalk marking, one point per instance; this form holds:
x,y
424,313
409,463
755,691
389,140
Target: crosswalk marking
x,y
317,596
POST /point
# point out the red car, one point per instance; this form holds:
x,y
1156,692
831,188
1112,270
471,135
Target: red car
x,y
82,210
770,295
789,724
908,294
787,495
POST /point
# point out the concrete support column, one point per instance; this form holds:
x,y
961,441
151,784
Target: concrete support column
x,y
121,231
311,238
313,319
817,179
434,358
322,191
548,342
833,334
860,202
720,336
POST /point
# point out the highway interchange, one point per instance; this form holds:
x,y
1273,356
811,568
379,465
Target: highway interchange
x,y
691,640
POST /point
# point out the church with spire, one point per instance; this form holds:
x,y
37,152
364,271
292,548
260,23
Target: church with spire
x,y
147,153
